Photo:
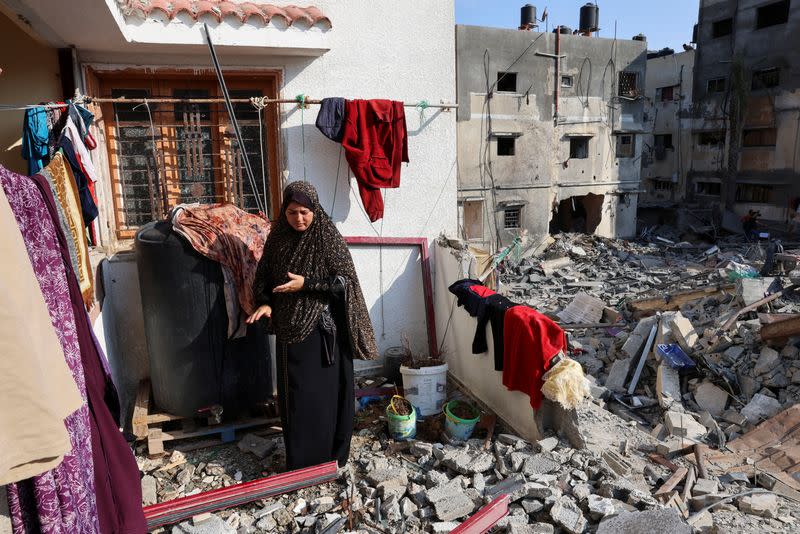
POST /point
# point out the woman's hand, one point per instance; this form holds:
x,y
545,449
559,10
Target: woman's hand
x,y
295,283
261,311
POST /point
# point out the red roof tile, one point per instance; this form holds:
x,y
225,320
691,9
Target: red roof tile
x,y
220,9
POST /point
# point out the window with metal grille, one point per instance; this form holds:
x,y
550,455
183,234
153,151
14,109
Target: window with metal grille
x,y
711,138
625,146
578,147
761,194
628,84
662,185
716,85
507,82
756,137
505,146
511,217
566,81
766,78
721,28
772,14
180,146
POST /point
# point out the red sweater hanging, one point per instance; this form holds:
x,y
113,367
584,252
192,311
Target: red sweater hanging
x,y
531,341
375,142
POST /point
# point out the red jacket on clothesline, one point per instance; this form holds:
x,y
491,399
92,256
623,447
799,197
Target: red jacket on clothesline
x,y
376,143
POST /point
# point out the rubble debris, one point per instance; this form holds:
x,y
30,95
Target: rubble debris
x,y
760,407
711,398
760,504
665,520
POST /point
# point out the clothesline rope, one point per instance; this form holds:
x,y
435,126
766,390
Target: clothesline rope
x,y
257,102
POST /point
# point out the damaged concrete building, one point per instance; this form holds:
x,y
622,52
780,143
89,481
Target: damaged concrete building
x,y
746,106
667,147
558,120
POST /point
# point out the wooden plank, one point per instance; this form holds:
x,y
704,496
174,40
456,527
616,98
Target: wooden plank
x,y
673,481
691,478
218,429
657,458
140,409
701,468
643,358
162,418
781,329
155,442
675,300
730,322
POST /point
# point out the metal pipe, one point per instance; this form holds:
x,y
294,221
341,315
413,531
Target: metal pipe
x,y
557,76
234,122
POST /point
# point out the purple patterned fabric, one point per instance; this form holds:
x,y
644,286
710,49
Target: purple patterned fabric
x,y
61,500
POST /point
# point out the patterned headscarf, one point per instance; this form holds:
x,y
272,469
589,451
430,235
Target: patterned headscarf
x,y
319,252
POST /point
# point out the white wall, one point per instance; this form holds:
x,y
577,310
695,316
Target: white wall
x,y
456,329
381,49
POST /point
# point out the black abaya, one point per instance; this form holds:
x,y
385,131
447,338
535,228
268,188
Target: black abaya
x,y
316,400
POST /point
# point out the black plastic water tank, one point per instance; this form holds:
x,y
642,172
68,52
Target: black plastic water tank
x,y
192,363
527,16
589,18
563,30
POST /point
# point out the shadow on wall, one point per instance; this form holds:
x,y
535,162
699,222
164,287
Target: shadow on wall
x,y
580,214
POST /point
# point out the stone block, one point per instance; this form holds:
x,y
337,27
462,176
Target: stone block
x,y
322,505
443,527
548,444
760,504
668,385
149,490
618,375
454,507
531,506
635,343
382,475
540,464
601,507
704,486
568,515
683,425
732,354
663,520
257,445
760,408
711,398
684,332
767,361
751,290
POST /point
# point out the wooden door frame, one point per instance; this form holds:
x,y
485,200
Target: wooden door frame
x,y
268,81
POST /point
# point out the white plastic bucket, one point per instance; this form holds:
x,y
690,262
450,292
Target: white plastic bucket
x,y
425,388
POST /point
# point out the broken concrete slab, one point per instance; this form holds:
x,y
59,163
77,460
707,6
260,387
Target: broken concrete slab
x,y
257,445
636,340
684,425
767,361
618,375
684,332
760,504
149,490
751,290
760,407
711,398
566,513
454,507
704,486
583,309
668,385
664,520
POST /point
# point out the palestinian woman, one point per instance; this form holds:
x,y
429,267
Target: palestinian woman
x,y
307,286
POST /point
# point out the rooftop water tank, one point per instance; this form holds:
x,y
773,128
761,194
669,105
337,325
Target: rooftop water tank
x,y
193,364
527,17
589,18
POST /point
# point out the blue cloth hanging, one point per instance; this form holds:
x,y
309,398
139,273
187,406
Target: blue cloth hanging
x,y
34,139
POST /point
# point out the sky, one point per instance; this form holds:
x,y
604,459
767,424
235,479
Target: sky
x,y
665,24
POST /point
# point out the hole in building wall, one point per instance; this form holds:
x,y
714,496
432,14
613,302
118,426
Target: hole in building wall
x,y
507,82
578,214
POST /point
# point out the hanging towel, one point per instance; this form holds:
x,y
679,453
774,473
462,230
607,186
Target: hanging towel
x,y
376,143
330,119
35,135
65,190
531,341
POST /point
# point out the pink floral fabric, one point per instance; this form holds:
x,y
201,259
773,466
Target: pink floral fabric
x,y
229,236
61,500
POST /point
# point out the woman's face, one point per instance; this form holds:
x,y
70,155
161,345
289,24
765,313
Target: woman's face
x,y
299,216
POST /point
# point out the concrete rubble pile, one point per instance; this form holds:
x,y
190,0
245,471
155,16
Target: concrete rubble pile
x,y
636,299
